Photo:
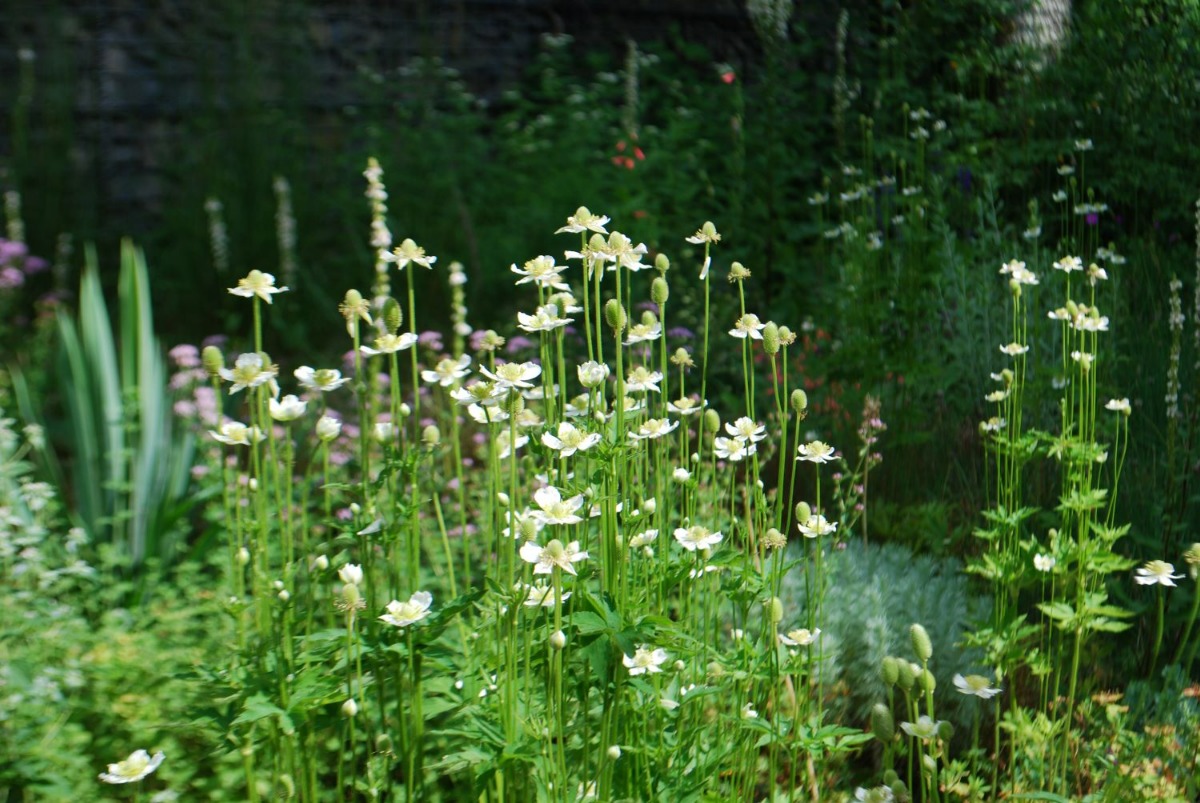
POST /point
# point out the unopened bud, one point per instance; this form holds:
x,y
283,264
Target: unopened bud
x,y
350,709
712,421
659,291
393,316
775,609
614,752
615,315
243,556
213,360
883,725
922,646
430,435
803,512
558,639
770,336
503,499
905,676
320,563
649,506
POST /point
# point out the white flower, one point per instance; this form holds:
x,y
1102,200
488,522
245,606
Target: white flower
x,y
323,381
1083,144
654,428
645,538
748,711
643,333
976,685
505,445
924,728
1084,359
817,526
543,272
1156,572
801,637
390,344
996,396
403,614
681,474
592,373
448,371
815,452
1044,563
878,794
734,450
747,429
555,553
407,252
544,320
748,326
135,768
705,234
1118,406
258,284
697,537
232,433
640,378
289,408
328,428
555,509
570,440
645,661
513,374
685,406
1059,196
351,574
540,595
249,370
583,220
1013,349
1069,264
623,253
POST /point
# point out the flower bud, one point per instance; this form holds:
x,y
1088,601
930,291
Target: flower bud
x,y
503,499
930,764
404,410
922,646
883,725
662,264
945,731
614,752
328,428
905,676
928,681
284,595
615,315
775,609
350,709
803,512
715,670
243,556
889,671
649,506
558,639
770,335
430,436
212,359
319,564
799,400
659,291
393,316
712,421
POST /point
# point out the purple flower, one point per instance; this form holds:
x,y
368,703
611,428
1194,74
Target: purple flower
x,y
10,250
681,332
517,343
35,265
10,278
1092,218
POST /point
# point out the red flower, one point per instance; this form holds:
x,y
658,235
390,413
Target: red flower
x,y
729,76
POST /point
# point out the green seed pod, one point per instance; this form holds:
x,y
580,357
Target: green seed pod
x,y
922,646
770,335
889,671
799,400
430,436
383,744
529,529
1072,308
712,420
775,608
882,723
213,360
900,791
708,229
928,681
351,596
803,512
890,777
648,317
615,315
662,264
905,676
945,731
393,316
659,291
514,403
